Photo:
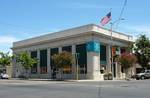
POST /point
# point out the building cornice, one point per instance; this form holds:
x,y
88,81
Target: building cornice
x,y
73,32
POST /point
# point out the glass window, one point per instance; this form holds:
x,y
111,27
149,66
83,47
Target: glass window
x,y
102,53
53,51
43,61
34,67
67,69
82,58
67,48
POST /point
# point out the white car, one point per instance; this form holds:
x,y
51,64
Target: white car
x,y
4,76
143,75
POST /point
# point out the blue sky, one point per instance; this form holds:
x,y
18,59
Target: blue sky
x,y
22,19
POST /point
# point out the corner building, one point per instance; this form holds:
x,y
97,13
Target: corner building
x,y
89,44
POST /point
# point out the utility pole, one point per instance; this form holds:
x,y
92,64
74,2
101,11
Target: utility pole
x,y
111,45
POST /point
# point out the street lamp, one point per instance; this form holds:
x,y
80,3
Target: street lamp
x,y
111,44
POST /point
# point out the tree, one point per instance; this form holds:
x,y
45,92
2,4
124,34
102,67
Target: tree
x,y
127,60
5,59
26,61
62,60
142,51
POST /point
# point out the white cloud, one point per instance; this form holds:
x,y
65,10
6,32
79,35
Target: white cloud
x,y
139,29
7,40
6,43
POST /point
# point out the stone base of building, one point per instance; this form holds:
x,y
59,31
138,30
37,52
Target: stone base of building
x,y
68,76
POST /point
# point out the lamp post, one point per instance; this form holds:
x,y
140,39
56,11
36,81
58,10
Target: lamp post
x,y
111,44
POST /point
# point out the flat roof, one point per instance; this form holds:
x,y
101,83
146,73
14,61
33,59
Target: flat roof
x,y
72,32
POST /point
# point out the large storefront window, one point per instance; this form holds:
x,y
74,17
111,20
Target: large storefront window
x,y
53,67
123,50
103,55
34,67
53,51
43,61
82,58
68,68
67,49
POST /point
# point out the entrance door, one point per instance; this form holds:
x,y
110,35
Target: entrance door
x,y
114,70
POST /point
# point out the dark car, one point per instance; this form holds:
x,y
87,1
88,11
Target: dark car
x,y
143,75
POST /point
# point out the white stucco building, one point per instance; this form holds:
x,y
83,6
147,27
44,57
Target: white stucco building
x,y
92,44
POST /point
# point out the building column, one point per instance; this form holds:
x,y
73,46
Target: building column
x,y
59,75
108,53
93,60
59,49
117,72
48,63
93,65
118,67
38,65
73,65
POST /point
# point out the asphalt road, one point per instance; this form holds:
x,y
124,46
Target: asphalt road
x,y
52,89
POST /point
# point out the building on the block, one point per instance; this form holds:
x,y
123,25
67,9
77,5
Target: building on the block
x,y
92,44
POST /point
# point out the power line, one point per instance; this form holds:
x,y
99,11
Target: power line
x,y
122,11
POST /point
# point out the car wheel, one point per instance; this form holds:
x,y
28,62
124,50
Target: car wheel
x,y
137,78
142,77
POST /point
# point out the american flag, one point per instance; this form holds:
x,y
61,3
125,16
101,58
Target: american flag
x,y
106,19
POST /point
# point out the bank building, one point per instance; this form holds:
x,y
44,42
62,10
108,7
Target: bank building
x,y
92,45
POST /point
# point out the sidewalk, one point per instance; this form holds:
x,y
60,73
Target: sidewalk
x,y
67,80
53,81
92,83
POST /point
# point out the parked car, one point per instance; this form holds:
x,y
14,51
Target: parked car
x,y
143,75
4,76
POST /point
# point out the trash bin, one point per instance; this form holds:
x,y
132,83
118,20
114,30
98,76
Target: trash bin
x,y
110,77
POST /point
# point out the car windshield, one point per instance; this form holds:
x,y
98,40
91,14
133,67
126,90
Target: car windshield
x,y
142,71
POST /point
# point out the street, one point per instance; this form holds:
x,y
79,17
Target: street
x,y
62,89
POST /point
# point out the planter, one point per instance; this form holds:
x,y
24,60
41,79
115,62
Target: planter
x,y
105,77
108,76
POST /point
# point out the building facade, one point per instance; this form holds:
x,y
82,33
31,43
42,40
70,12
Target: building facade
x,y
90,45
